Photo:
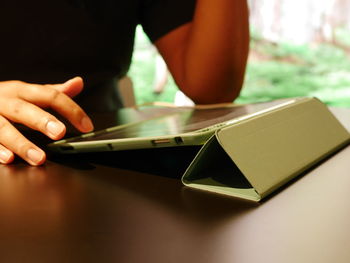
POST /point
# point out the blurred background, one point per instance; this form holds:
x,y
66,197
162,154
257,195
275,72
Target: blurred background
x,y
298,48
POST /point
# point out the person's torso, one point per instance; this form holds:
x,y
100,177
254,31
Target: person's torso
x,y
51,41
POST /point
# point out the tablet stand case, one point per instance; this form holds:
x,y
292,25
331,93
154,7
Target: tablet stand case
x,y
258,154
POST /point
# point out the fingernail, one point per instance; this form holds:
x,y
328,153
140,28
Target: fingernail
x,y
35,156
68,82
5,156
55,128
87,124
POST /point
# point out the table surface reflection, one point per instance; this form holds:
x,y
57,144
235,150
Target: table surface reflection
x,y
96,208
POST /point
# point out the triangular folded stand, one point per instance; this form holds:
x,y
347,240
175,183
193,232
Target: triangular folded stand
x,y
259,153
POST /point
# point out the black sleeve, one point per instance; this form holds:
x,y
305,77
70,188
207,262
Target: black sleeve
x,y
159,17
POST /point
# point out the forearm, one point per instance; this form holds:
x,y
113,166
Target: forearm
x,y
213,55
216,55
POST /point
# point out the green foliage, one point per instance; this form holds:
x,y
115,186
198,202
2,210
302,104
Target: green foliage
x,y
290,71
142,72
342,35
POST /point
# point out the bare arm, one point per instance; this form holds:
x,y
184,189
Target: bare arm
x,y
207,57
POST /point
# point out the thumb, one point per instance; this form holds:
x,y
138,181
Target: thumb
x,y
71,87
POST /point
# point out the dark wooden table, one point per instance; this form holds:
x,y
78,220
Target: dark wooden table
x,y
110,208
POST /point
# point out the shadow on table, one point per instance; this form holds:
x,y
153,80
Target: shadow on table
x,y
155,175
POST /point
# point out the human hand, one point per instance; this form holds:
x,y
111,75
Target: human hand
x,y
23,103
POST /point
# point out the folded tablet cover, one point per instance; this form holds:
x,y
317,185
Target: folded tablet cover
x,y
252,158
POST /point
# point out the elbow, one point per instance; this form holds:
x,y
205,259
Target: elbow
x,y
213,92
212,97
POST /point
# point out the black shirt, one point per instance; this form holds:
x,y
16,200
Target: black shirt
x,y
51,41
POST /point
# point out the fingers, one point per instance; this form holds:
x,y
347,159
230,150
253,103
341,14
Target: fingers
x,y
50,96
71,87
6,156
13,142
23,102
32,116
